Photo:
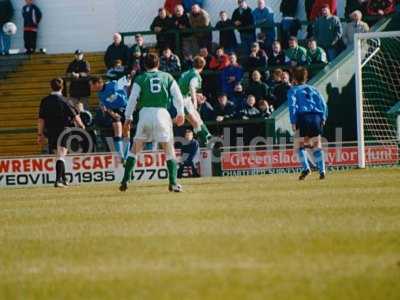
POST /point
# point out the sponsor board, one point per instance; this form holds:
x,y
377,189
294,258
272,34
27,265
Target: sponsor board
x,y
82,169
273,161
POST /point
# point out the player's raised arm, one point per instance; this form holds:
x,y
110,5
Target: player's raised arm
x,y
133,98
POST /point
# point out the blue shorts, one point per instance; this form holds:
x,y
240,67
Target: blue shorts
x,y
309,124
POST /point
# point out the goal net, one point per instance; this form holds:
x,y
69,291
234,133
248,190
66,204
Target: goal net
x,y
377,64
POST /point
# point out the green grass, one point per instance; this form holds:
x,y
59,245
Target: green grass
x,y
267,237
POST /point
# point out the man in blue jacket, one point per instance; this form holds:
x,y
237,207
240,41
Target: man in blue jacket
x,y
308,114
190,150
32,17
264,16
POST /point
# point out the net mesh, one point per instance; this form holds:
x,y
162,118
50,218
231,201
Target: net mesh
x,y
381,88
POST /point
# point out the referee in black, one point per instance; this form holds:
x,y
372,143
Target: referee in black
x,y
56,117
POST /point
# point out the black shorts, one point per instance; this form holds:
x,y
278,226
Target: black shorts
x,y
118,116
309,125
58,138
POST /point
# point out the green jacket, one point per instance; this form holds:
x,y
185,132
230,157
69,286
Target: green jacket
x,y
298,55
316,57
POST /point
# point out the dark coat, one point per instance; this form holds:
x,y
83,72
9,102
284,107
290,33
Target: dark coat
x,y
246,19
116,52
32,16
227,38
79,87
164,39
288,8
6,11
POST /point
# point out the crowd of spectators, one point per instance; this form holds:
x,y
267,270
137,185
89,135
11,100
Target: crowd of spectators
x,y
248,73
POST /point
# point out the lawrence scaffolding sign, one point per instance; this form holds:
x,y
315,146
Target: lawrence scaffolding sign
x,y
285,160
84,169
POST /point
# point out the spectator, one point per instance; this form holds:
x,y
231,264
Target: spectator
x,y
117,71
257,88
318,5
249,111
79,90
207,78
190,150
239,96
181,22
328,33
264,17
315,54
169,62
220,60
139,45
264,109
225,109
308,5
243,17
288,8
187,62
353,5
381,7
290,25
281,90
136,64
161,25
276,57
295,55
6,13
257,59
227,38
170,5
32,17
231,75
117,50
188,4
199,19
205,109
355,26
275,78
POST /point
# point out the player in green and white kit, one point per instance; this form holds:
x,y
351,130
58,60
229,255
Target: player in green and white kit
x,y
189,83
151,94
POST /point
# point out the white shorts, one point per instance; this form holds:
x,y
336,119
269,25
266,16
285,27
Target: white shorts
x,y
188,105
155,125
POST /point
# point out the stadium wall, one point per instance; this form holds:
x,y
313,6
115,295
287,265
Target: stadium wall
x,y
89,24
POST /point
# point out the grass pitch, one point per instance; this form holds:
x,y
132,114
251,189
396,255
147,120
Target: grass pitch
x,y
267,237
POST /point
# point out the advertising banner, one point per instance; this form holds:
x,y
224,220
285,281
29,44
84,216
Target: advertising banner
x,y
93,168
256,162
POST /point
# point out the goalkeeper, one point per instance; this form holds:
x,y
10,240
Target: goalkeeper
x,y
308,114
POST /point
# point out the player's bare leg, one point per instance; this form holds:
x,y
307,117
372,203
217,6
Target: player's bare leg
x,y
130,164
172,167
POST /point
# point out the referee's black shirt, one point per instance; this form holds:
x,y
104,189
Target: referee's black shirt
x,y
56,112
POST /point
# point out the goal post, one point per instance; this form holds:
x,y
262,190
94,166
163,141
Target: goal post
x,y
377,75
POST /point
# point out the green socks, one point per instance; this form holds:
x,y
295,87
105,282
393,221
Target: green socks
x,y
172,171
129,166
203,134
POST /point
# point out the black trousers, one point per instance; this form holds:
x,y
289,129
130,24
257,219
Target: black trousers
x,y
30,38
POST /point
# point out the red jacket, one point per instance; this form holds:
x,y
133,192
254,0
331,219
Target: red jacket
x,y
319,4
171,4
219,63
387,6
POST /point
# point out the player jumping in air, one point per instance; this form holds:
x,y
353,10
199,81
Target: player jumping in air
x,y
190,83
113,100
308,114
151,94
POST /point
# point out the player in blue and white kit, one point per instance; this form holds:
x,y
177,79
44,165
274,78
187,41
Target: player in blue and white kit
x,y
113,96
308,114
